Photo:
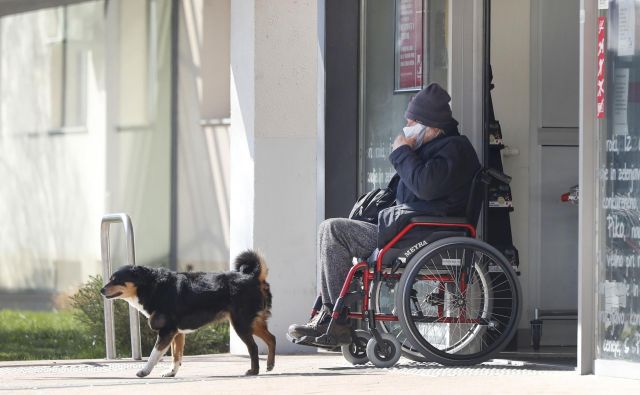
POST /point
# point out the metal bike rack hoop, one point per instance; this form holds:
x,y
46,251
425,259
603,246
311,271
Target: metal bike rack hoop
x,y
107,270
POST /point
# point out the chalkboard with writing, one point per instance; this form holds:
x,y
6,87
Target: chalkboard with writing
x,y
618,280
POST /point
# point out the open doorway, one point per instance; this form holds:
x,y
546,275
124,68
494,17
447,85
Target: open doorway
x,y
535,61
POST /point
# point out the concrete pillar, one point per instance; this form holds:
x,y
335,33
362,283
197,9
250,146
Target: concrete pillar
x,y
275,141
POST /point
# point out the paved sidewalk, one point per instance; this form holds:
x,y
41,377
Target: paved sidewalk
x,y
323,373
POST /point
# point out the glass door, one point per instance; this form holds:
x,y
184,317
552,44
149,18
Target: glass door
x,y
405,45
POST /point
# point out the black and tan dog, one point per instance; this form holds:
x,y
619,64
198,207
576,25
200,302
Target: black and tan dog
x,y
179,303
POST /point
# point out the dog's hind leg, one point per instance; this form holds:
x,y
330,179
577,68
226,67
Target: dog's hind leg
x,y
177,351
243,329
260,329
165,337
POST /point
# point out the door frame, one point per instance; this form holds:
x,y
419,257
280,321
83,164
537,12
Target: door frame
x,y
587,167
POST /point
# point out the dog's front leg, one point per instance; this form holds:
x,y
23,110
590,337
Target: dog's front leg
x,y
165,337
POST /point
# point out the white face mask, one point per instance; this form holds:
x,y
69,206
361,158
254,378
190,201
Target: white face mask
x,y
411,131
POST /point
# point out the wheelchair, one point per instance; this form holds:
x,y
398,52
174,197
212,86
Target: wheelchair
x,y
433,293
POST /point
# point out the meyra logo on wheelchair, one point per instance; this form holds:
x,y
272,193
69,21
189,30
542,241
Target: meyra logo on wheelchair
x,y
433,293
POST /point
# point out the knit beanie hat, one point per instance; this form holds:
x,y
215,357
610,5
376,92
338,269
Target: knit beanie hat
x,y
431,108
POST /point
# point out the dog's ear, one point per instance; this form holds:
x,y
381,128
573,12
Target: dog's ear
x,y
139,272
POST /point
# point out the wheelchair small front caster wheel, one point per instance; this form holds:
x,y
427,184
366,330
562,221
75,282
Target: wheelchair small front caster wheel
x,y
386,353
356,352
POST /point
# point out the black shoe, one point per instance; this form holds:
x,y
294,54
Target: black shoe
x,y
316,326
338,335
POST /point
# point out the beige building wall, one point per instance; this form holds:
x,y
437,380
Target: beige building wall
x,y
138,72
52,192
59,180
203,141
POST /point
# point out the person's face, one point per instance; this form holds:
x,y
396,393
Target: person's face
x,y
410,122
431,134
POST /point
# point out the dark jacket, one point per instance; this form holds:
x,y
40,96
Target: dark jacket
x,y
434,180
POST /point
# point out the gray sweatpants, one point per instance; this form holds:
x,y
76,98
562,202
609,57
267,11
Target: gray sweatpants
x,y
339,240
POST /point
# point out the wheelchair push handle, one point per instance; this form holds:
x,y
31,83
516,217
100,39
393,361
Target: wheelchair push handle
x,y
498,175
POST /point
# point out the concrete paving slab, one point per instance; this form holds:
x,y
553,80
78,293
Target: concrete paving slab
x,y
323,373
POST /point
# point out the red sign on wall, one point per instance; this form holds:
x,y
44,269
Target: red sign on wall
x,y
408,50
601,63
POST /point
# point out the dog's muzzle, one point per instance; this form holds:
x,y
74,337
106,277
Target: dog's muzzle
x,y
103,291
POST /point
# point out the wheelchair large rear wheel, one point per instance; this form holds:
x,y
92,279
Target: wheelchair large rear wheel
x,y
458,301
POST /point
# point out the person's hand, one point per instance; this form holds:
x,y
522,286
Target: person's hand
x,y
402,140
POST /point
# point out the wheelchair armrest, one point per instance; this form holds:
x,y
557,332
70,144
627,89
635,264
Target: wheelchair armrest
x,y
440,220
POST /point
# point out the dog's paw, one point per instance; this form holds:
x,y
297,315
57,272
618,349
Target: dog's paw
x,y
169,373
252,372
143,373
270,367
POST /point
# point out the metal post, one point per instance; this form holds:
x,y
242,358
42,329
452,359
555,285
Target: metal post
x,y
134,322
175,70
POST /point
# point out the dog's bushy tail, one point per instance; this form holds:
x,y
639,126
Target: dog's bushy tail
x,y
251,263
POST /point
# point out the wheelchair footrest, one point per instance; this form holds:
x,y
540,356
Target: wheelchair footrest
x,y
310,341
327,341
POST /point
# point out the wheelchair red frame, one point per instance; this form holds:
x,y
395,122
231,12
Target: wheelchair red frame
x,y
378,272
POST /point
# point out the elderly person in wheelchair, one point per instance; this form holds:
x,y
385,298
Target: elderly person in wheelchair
x,y
436,166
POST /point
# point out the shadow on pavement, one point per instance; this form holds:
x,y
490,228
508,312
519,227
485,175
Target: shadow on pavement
x,y
492,365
